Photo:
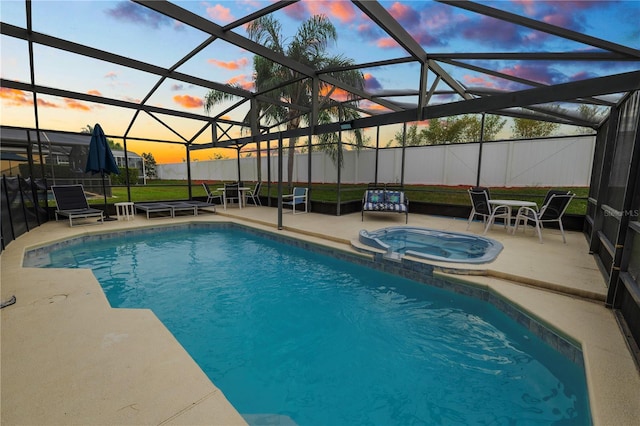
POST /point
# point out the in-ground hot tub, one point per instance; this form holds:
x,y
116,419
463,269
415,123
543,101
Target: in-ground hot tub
x,y
432,244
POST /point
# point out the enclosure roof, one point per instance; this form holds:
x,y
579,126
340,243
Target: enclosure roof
x,y
143,68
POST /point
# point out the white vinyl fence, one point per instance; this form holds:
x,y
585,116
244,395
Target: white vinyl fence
x,y
563,161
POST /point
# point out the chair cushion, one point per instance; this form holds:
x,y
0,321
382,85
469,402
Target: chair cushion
x,y
375,196
374,206
395,207
394,197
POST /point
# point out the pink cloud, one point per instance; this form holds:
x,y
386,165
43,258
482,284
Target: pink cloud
x,y
243,81
94,92
15,97
479,81
386,43
231,65
188,101
74,104
111,75
403,13
342,10
220,13
297,11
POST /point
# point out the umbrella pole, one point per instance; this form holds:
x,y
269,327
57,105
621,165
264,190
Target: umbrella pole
x,y
104,192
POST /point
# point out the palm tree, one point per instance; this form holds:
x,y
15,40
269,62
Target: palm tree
x,y
291,91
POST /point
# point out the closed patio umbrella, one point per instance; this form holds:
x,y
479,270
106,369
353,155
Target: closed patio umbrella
x,y
100,160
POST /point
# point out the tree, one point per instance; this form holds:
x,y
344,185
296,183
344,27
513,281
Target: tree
x,y
524,128
292,92
456,129
591,113
113,145
493,124
149,165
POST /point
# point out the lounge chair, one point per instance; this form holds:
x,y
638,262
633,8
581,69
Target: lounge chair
x,y
254,194
298,197
553,208
150,208
480,207
183,206
71,202
202,206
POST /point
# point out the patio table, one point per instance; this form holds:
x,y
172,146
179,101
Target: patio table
x,y
243,195
509,204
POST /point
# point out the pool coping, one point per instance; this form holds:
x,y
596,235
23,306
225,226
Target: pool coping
x,y
605,406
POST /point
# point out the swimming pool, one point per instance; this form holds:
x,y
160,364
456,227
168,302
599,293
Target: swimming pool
x,y
432,244
284,331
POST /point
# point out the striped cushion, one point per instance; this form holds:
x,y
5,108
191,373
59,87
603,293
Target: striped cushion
x,y
394,197
374,206
393,207
375,196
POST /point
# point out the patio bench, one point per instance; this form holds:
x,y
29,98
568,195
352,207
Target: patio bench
x,y
385,201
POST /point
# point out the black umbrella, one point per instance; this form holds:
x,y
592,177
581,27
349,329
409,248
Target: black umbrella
x,y
101,160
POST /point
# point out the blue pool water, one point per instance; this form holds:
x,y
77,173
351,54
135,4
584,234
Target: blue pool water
x,y
281,330
432,244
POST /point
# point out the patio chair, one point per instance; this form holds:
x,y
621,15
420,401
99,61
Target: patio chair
x,y
481,207
71,202
254,194
231,192
298,197
211,195
553,208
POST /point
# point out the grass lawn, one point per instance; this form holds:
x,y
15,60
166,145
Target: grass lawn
x,y
457,195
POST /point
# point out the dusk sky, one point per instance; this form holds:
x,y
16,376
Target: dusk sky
x,y
134,31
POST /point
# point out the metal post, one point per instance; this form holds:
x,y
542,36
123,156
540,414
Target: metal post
x,y
480,150
280,181
375,179
189,171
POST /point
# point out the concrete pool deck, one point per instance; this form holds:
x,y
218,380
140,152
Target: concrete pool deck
x,y
68,358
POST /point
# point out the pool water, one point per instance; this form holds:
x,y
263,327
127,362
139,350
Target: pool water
x,y
320,341
432,244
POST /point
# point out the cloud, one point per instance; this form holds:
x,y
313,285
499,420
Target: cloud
x,y
541,73
231,65
94,92
371,83
188,101
220,13
15,97
340,10
493,32
74,104
177,87
296,11
139,15
112,75
243,81
338,94
386,43
478,81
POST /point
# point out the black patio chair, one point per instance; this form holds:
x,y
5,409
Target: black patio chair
x,y
553,208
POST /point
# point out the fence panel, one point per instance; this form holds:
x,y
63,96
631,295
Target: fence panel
x,y
562,161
